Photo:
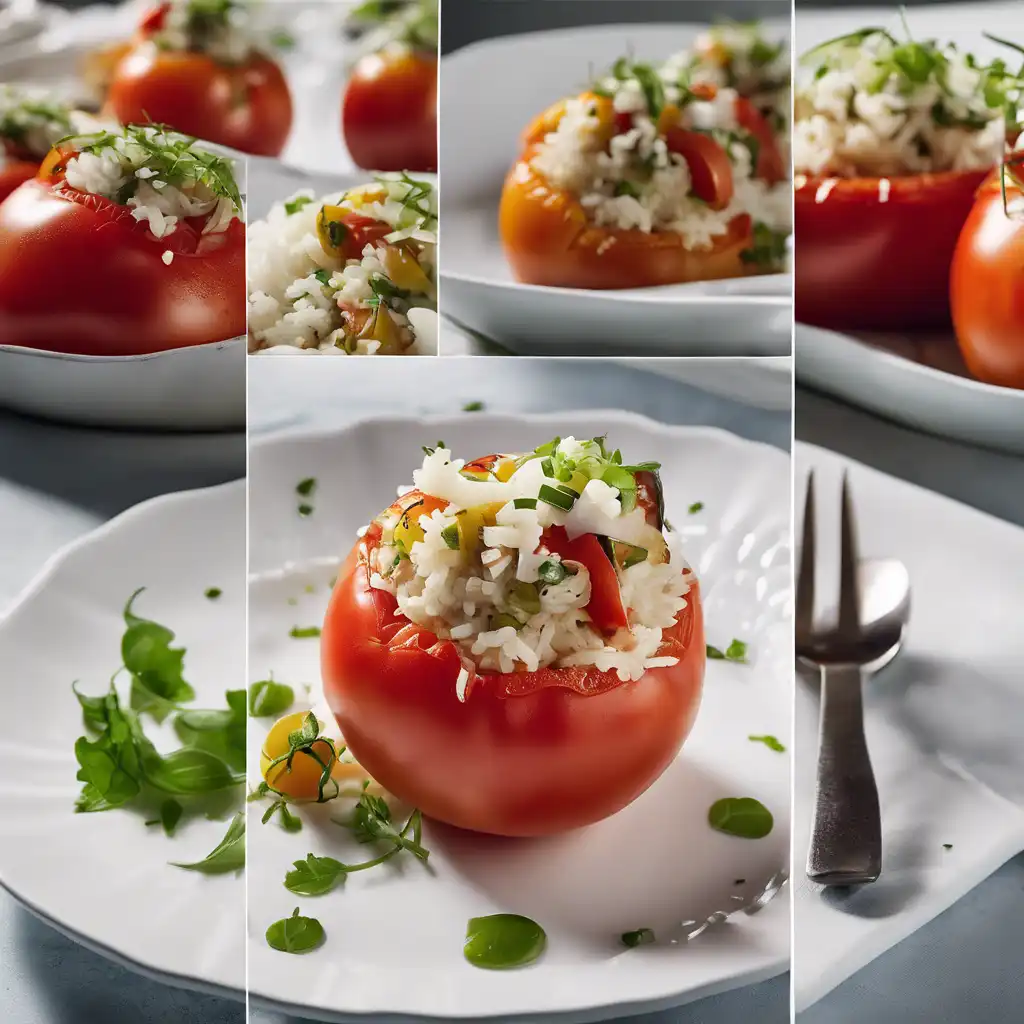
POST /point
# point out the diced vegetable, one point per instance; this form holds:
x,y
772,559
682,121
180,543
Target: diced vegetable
x,y
605,606
471,522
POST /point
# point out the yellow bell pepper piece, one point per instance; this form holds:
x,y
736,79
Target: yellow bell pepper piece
x,y
471,522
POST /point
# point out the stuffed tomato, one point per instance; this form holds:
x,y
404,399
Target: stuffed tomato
x,y
512,646
142,231
648,178
891,141
30,123
194,68
987,282
389,108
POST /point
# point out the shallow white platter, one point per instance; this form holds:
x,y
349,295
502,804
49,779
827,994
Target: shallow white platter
x,y
394,941
483,120
104,878
902,380
942,722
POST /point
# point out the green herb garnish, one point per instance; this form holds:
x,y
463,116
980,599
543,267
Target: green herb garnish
x,y
268,699
292,206
696,507
502,941
227,855
212,593
295,934
769,741
641,937
473,407
304,632
741,816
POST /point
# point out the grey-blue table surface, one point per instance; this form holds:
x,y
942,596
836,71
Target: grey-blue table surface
x,y
58,482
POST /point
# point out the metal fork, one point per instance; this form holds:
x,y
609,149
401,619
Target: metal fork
x,y
846,835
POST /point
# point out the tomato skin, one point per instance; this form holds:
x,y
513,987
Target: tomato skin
x,y
246,106
78,274
862,262
14,173
527,753
389,112
987,288
548,241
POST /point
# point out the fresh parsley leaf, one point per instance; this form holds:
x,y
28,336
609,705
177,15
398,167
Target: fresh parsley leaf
x,y
219,732
306,487
371,822
769,741
315,876
155,666
473,407
696,507
641,937
268,699
295,934
736,651
294,205
189,772
304,632
502,941
170,815
212,593
227,855
289,822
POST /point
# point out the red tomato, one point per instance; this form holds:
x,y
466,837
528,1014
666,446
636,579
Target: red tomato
x,y
79,274
770,167
875,253
13,173
389,112
549,240
987,285
527,753
360,232
244,106
710,168
605,605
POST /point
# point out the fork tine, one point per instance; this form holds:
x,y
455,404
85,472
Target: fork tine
x,y
805,578
849,590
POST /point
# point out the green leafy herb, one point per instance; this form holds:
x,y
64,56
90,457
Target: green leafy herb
x,y
371,821
170,815
212,593
324,277
315,876
641,937
304,632
696,507
736,651
947,846
268,699
769,248
306,487
741,816
289,822
282,40
219,732
473,407
294,205
770,742
158,685
295,934
626,188
503,941
227,855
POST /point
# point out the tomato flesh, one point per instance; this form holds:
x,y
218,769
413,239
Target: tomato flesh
x,y
79,274
710,169
527,753
987,285
605,606
875,253
245,106
389,112
770,167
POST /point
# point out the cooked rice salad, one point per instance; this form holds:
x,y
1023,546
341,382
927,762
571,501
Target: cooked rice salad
x,y
550,558
347,275
869,105
31,121
162,176
612,149
218,28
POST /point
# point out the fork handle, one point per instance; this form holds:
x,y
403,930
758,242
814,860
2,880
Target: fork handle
x,y
846,835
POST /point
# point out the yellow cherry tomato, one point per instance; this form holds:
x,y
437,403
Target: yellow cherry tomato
x,y
301,781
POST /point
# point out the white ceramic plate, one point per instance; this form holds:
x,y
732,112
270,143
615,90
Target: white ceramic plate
x,y
656,860
899,379
483,120
104,879
942,722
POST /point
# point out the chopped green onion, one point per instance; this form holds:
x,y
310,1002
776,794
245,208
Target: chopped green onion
x,y
294,205
558,498
503,619
450,535
525,596
635,557
547,469
524,503
552,571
